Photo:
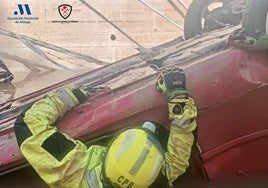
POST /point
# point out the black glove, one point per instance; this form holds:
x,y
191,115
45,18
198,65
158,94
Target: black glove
x,y
171,83
80,94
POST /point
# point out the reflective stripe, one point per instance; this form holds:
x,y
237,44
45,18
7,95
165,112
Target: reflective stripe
x,y
66,98
158,164
128,140
92,179
182,123
143,156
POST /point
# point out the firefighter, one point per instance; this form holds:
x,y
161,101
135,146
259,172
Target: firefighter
x,y
135,157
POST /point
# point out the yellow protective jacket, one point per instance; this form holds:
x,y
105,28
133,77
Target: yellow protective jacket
x,y
64,162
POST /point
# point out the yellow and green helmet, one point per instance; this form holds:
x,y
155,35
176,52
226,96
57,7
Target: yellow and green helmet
x,y
134,158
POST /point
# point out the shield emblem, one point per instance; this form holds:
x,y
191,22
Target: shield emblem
x,y
65,10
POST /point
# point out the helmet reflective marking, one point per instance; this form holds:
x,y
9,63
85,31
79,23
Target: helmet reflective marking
x,y
143,156
134,159
158,164
126,143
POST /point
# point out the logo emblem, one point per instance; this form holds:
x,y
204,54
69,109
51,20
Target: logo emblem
x,y
65,10
21,8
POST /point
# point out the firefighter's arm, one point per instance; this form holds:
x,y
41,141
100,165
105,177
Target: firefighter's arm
x,y
55,156
41,115
182,112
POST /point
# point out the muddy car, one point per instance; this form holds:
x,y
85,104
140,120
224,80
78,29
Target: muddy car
x,y
229,85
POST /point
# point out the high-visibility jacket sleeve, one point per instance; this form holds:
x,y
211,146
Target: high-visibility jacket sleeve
x,y
58,159
181,137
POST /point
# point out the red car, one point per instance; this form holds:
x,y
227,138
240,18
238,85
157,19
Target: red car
x,y
228,84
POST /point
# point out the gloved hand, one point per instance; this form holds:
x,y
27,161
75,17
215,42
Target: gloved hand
x,y
72,96
242,40
171,83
